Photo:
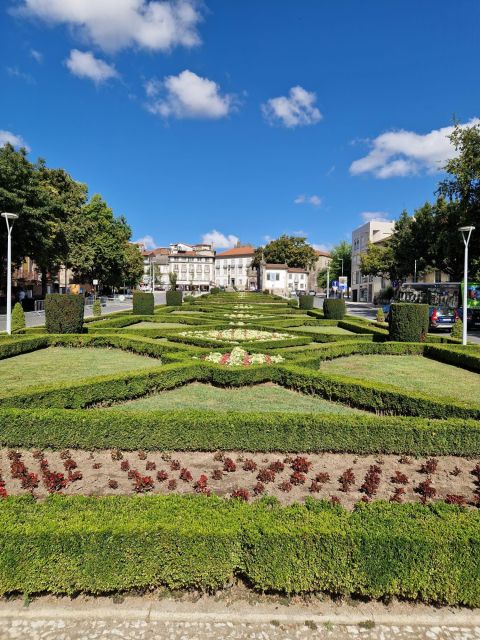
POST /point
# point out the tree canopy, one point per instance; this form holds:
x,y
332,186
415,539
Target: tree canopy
x,y
290,250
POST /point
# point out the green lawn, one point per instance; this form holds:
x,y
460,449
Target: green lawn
x,y
319,329
414,373
262,397
63,364
157,325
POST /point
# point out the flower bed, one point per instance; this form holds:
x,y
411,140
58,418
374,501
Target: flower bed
x,y
238,357
235,316
237,335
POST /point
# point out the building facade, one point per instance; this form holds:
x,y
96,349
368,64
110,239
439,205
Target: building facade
x,y
323,260
233,268
367,288
194,266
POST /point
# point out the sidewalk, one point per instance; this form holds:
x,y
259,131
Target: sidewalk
x,y
247,615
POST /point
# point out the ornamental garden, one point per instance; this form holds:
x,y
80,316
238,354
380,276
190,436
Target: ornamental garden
x,y
237,437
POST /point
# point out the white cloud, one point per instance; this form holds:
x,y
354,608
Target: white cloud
x,y
314,200
187,96
36,55
219,240
115,24
85,65
7,137
378,216
15,72
147,241
406,153
298,109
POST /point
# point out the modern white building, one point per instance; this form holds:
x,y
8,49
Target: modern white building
x,y
233,268
366,288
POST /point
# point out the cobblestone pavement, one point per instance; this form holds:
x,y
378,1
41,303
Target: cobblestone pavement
x,y
58,629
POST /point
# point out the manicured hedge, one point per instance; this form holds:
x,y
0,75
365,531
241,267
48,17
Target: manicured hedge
x,y
334,308
143,303
174,298
64,313
408,322
464,357
305,302
100,545
189,430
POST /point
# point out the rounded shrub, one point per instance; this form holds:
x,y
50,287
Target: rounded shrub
x,y
143,303
408,322
214,290
293,303
64,313
174,298
457,329
18,319
334,308
305,302
97,308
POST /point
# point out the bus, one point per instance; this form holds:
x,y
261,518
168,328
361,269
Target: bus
x,y
445,300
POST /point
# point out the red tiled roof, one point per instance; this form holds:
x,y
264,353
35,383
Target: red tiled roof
x,y
322,253
161,251
276,266
237,251
297,270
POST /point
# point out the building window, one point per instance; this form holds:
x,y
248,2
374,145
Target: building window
x,y
277,276
268,276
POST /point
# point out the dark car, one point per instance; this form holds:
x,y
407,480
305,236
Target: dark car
x,y
473,317
442,317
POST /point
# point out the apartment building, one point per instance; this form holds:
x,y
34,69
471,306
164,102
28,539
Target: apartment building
x,y
193,264
282,280
233,268
366,288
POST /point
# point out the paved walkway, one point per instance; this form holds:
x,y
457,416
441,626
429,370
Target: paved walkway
x,y
223,617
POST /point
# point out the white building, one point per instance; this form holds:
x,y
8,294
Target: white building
x,y
281,280
233,268
366,288
193,264
297,279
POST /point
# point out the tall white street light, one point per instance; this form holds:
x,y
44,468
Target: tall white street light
x,y
9,219
466,233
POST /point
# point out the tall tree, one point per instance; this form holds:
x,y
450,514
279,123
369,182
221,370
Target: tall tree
x,y
290,250
132,269
340,264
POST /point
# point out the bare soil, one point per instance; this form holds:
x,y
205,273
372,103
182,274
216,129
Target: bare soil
x,y
102,474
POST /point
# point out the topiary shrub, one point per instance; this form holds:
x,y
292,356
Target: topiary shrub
x,y
189,298
457,329
143,303
293,303
97,308
305,302
18,319
64,313
380,315
214,290
334,308
174,298
408,322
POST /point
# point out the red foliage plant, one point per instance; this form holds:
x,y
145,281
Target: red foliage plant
x,y
285,486
18,469
453,498
124,465
372,480
162,475
266,475
426,490
150,466
97,465
76,475
335,500
113,484
69,464
301,464
54,481
315,487
397,495
229,465
201,484
297,478
142,455
175,465
241,494
399,478
249,465
276,466
185,475
30,481
347,479
429,466
142,484
258,489
322,477
476,471
217,474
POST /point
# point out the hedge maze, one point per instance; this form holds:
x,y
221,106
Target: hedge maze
x,y
378,500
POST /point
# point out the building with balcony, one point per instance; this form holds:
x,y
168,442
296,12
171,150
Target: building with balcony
x,y
366,288
193,264
233,268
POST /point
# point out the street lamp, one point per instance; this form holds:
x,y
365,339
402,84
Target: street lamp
x,y
466,233
9,219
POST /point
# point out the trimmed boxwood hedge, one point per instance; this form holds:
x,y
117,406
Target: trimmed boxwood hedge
x,y
64,313
99,545
174,298
143,303
408,322
305,302
334,308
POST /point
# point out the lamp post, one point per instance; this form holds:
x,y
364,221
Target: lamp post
x,y
466,233
9,219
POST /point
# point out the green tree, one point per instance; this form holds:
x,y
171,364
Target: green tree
x,y
290,250
340,252
378,260
18,319
132,269
173,277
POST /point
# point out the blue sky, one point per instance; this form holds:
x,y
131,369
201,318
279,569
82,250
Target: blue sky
x,y
248,118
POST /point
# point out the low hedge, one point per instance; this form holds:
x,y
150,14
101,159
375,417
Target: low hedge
x,y
101,545
305,302
198,430
143,303
334,308
408,322
463,357
173,298
64,313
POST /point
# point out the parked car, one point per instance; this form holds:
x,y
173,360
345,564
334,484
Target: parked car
x,y
442,317
473,317
312,292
